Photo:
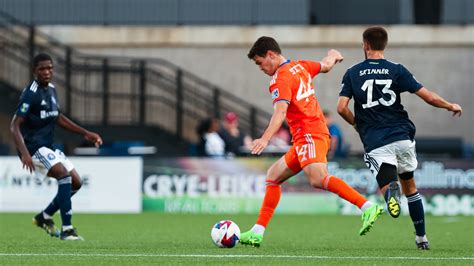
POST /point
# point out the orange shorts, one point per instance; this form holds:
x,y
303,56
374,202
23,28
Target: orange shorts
x,y
309,148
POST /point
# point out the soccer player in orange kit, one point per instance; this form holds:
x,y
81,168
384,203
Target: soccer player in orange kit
x,y
293,98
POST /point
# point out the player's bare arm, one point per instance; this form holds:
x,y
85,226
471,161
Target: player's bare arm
x,y
66,123
344,111
26,159
435,100
278,117
328,62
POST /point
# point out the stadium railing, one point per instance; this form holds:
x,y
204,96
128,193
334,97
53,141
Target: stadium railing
x,y
100,90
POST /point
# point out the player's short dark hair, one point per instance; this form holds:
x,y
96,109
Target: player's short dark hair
x,y
40,58
262,46
377,37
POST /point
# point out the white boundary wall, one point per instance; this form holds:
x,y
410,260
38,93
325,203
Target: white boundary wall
x,y
111,185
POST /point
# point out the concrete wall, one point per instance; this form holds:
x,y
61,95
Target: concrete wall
x,y
440,57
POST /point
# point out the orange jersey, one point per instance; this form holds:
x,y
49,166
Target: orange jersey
x,y
293,83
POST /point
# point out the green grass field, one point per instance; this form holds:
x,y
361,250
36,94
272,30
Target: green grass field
x,y
164,239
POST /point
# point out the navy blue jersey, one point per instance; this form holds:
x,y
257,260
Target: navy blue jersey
x,y
375,85
39,106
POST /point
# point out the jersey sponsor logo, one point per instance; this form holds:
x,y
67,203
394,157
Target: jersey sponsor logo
x,y
43,102
24,107
379,71
275,94
51,156
44,114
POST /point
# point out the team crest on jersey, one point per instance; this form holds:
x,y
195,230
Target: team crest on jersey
x,y
275,94
24,107
51,156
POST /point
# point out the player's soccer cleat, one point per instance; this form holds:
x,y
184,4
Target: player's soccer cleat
x,y
70,234
46,224
423,245
251,239
393,199
369,217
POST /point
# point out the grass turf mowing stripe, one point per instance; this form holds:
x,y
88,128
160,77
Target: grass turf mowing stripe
x,y
233,256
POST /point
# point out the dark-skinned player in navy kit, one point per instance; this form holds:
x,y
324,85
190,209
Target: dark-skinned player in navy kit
x,y
32,127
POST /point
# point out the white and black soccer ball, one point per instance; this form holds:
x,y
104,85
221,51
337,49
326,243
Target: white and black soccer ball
x,y
225,234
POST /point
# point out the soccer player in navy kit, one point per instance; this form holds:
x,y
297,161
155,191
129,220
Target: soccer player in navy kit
x,y
32,127
383,125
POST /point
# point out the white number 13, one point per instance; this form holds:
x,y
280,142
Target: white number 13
x,y
369,87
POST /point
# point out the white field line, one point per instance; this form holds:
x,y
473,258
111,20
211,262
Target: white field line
x,y
243,256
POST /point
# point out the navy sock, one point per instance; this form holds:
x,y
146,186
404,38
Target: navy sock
x,y
417,214
64,199
53,206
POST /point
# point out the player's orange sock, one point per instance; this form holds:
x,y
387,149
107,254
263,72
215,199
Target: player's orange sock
x,y
270,202
341,188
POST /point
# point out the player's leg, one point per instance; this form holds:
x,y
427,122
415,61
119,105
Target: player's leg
x,y
387,180
56,165
63,198
312,150
319,178
407,165
76,181
383,162
42,166
53,206
278,173
415,207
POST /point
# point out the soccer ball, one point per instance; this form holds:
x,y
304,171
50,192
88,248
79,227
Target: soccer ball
x,y
225,234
